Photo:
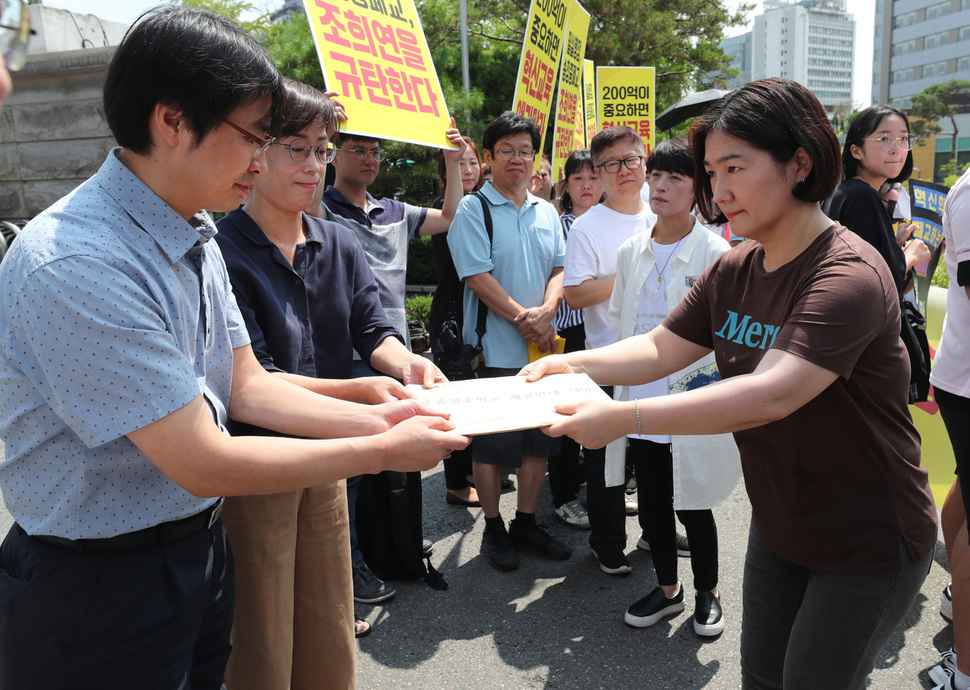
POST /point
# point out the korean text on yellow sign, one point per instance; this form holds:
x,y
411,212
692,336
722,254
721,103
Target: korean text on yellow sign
x,y
625,96
569,112
589,99
541,50
375,55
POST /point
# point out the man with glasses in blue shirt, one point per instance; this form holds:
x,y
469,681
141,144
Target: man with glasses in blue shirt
x,y
518,275
122,355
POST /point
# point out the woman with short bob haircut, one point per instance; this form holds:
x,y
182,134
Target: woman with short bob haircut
x,y
804,326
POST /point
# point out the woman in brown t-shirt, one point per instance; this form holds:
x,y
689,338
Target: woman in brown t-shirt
x,y
804,323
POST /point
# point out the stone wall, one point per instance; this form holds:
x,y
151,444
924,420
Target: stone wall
x,y
53,134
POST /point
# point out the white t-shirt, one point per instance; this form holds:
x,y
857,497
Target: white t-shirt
x,y
951,366
594,240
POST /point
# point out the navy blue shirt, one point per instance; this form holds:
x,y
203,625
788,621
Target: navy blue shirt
x,y
309,317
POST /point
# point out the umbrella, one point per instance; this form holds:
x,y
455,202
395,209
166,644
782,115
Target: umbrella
x,y
686,108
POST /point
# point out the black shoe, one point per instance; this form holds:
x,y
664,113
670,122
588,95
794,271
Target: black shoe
x,y
368,588
453,500
498,550
653,607
613,562
708,617
536,540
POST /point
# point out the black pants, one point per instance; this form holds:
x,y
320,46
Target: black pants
x,y
139,619
564,475
955,411
604,504
654,467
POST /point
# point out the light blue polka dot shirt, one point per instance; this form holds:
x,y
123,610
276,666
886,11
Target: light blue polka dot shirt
x,y
103,330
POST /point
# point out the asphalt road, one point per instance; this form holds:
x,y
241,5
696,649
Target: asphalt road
x,y
560,624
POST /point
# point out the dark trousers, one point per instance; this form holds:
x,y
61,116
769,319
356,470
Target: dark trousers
x,y
564,475
806,629
955,411
152,617
605,505
458,469
654,467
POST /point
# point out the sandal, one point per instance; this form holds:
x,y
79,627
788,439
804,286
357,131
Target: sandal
x,y
361,627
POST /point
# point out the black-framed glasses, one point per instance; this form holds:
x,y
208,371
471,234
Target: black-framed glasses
x,y
888,143
261,143
300,150
631,163
362,154
509,154
14,32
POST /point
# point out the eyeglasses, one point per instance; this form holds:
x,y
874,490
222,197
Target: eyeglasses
x,y
631,163
261,143
300,150
361,154
14,32
888,144
509,154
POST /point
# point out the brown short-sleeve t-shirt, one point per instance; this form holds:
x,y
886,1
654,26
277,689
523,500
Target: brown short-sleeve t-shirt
x,y
835,485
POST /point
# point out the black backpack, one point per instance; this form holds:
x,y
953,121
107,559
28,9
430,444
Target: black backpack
x,y
389,531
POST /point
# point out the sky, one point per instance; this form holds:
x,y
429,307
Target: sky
x,y
863,10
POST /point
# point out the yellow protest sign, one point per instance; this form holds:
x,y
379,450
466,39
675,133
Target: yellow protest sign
x,y
589,100
539,61
569,112
375,55
625,97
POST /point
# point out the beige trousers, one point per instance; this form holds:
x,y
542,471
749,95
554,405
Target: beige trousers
x,y
294,621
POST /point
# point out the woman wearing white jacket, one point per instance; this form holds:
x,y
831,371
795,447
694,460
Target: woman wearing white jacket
x,y
689,474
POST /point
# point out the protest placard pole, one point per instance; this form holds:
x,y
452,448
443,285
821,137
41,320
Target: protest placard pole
x,y
589,99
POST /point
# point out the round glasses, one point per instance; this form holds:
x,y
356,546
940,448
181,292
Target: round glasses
x,y
888,143
631,163
300,150
362,154
14,32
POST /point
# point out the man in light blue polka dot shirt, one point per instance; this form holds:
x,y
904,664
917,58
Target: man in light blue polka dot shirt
x,y
122,355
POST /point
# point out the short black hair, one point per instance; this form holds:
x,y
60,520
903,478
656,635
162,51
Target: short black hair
x,y
303,107
864,124
578,161
195,60
610,136
508,124
777,116
345,137
672,156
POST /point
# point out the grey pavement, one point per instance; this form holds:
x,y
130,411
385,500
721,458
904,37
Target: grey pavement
x,y
560,624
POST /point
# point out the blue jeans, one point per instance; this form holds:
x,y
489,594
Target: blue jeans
x,y
806,629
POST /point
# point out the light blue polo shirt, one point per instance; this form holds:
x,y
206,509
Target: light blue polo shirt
x,y
527,245
114,312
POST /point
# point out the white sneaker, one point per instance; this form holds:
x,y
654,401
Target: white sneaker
x,y
946,603
683,546
948,664
632,505
573,514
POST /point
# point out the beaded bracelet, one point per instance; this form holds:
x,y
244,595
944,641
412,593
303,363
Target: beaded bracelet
x,y
636,406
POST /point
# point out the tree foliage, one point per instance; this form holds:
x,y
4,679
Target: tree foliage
x,y
937,102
